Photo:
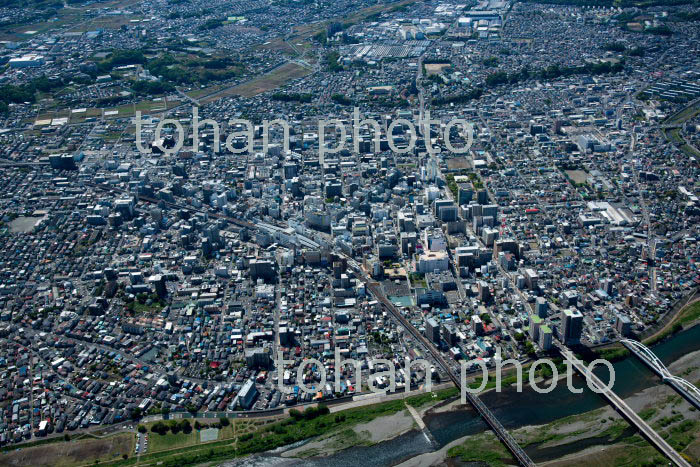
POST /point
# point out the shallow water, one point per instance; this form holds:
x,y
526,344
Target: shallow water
x,y
513,409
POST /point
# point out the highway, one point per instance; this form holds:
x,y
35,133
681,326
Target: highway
x,y
623,409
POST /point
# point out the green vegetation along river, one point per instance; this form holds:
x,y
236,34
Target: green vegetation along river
x,y
514,410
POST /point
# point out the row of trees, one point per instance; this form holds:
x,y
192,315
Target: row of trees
x,y
292,97
184,426
553,72
549,73
310,413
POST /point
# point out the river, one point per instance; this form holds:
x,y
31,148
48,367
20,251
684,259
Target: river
x,y
513,409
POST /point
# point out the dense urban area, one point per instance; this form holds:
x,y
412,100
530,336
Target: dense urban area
x,y
152,273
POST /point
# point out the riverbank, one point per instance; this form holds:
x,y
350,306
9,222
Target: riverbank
x,y
384,429
549,426
599,437
686,317
363,434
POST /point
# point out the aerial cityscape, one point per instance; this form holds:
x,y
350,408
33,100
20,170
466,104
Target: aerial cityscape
x,y
332,233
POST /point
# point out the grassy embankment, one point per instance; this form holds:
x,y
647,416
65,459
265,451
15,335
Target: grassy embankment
x,y
245,437
688,316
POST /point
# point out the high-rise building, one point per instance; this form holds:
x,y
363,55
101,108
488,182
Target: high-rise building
x,y
545,340
247,394
623,325
158,282
449,333
477,325
484,291
531,278
535,324
571,326
542,307
606,285
261,268
465,193
258,358
432,330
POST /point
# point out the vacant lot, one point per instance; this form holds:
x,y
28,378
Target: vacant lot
x,y
435,68
577,176
65,454
274,79
167,441
458,163
24,224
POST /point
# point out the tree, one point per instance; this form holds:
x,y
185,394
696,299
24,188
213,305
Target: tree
x,y
341,99
174,427
311,413
224,421
160,428
185,426
142,429
135,413
530,349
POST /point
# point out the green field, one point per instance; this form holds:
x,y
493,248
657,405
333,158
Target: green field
x,y
245,437
689,315
69,19
168,441
690,151
482,449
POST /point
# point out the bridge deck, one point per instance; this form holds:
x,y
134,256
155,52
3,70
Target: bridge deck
x,y
630,415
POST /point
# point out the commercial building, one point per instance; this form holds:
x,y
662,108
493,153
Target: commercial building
x,y
27,61
432,330
545,339
571,326
247,394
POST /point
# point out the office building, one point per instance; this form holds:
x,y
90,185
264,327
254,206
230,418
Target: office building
x,y
571,326
432,330
542,307
535,324
545,339
247,394
623,325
